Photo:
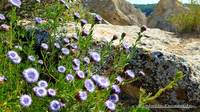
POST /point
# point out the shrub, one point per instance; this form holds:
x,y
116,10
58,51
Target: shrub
x,y
187,21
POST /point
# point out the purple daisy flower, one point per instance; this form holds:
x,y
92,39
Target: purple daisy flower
x,y
4,78
75,37
115,89
83,22
66,40
17,60
51,92
41,92
37,1
76,68
57,45
76,16
143,27
5,27
85,32
31,58
74,46
2,17
15,3
62,103
44,46
129,74
81,96
61,19
25,100
61,69
40,62
89,85
142,74
54,105
38,20
87,60
110,105
18,46
119,79
42,83
102,82
76,62
31,75
95,56
98,19
80,74
125,46
34,89
67,6
63,1
95,78
65,51
114,98
12,55
69,77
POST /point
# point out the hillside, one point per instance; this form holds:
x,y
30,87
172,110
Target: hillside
x,y
148,8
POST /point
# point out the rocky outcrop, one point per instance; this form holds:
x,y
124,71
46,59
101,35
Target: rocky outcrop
x,y
159,55
165,8
117,12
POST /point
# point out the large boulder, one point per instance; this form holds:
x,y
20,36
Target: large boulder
x,y
117,12
165,8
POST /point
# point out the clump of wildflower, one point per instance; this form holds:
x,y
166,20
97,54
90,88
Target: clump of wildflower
x,y
119,79
57,45
34,89
30,75
38,20
44,46
85,32
51,92
114,98
95,78
95,57
83,22
89,85
37,1
25,100
115,89
76,16
65,51
98,19
12,55
41,92
2,17
79,74
17,60
76,62
129,74
15,3
40,62
110,105
66,40
61,69
18,46
54,105
102,82
87,60
5,27
31,58
81,96
69,77
75,37
74,46
42,83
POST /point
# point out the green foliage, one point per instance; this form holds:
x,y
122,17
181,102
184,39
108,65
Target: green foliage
x,y
147,9
187,21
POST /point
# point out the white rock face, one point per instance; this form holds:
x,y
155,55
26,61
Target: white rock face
x,y
165,8
118,12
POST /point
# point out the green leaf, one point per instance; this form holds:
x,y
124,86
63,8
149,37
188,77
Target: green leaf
x,y
139,110
132,109
123,110
145,109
